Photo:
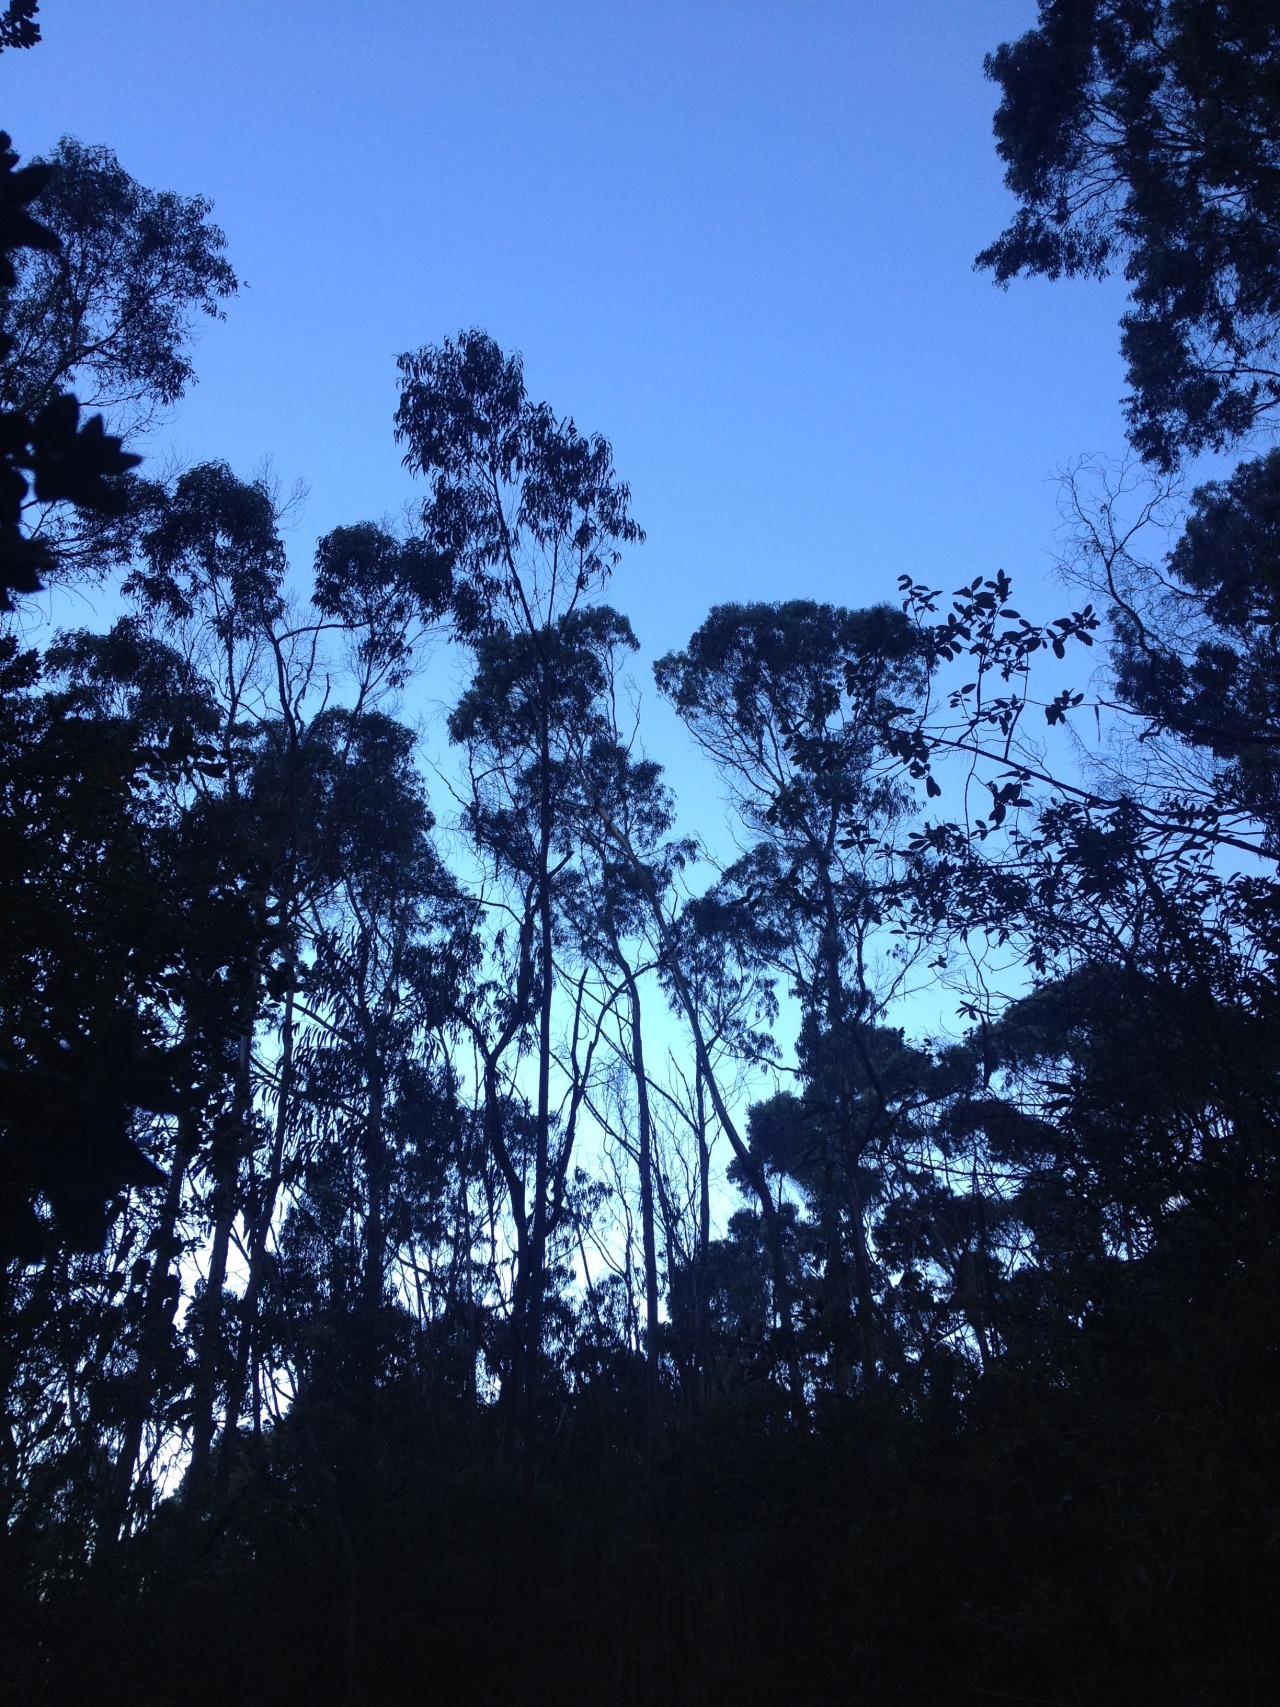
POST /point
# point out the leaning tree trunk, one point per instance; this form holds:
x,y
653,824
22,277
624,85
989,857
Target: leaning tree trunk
x,y
245,1365
155,1337
535,1290
228,1146
747,1161
647,1233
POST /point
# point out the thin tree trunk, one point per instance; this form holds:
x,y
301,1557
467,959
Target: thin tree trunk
x,y
837,1021
156,1329
536,1288
702,1269
749,1163
760,1185
513,1385
227,1152
375,1171
246,1358
647,1232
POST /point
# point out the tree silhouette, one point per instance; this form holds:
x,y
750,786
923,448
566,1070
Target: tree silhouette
x,y
531,517
373,1299
1148,135
47,451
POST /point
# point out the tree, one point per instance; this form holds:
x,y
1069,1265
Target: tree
x,y
18,26
135,947
724,1006
531,517
1196,654
101,296
793,702
378,986
43,444
111,308
383,592
87,943
624,816
1147,133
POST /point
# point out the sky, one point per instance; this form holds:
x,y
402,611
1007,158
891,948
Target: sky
x,y
737,239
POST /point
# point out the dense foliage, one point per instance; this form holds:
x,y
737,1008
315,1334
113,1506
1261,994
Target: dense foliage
x,y
517,1257
1147,133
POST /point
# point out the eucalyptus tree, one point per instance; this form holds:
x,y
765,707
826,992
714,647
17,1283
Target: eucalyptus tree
x,y
530,516
136,938
625,817
384,946
110,309
323,778
385,596
796,704
1148,136
209,679
684,1135
210,579
725,1006
298,859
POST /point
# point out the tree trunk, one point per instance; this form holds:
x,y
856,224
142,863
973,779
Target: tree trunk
x,y
647,1233
246,1358
156,1328
536,1283
749,1164
838,1025
702,1267
227,1148
373,1145
760,1185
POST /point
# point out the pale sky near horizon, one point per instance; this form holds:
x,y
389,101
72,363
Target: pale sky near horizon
x,y
735,238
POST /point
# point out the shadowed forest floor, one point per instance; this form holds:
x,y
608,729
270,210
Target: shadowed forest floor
x,y
1114,1543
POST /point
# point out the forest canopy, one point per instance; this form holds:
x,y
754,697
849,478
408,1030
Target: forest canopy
x,y
459,1233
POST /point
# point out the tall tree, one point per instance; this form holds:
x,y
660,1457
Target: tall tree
x,y
531,516
111,309
625,816
49,459
1146,133
793,703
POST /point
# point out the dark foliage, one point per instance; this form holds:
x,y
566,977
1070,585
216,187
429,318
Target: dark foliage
x,y
1146,134
109,307
44,446
376,1320
18,26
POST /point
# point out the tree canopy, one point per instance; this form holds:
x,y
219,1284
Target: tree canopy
x,y
1145,135
460,1236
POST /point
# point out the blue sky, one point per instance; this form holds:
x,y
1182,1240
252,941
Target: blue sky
x,y
735,238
